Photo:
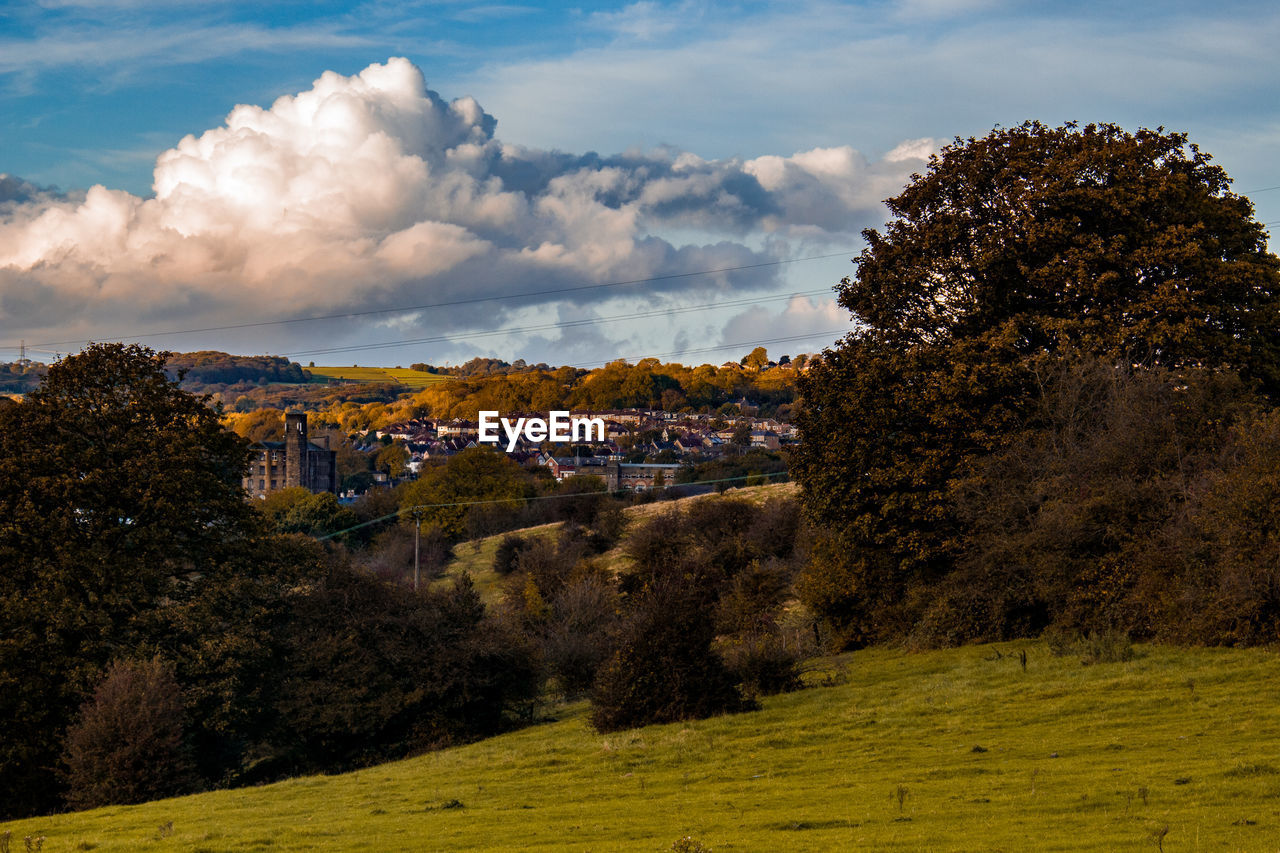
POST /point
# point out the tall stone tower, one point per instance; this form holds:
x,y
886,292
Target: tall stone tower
x,y
295,450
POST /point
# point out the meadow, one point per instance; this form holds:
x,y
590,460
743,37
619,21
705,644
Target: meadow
x,y
413,379
974,748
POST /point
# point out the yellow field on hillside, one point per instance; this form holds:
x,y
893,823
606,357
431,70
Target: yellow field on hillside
x,y
395,375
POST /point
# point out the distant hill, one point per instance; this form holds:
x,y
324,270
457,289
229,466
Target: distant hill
x,y
211,367
409,379
21,377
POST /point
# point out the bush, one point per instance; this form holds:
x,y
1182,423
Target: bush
x,y
658,541
127,747
761,664
588,499
574,638
774,527
753,598
505,559
390,555
373,671
663,668
611,523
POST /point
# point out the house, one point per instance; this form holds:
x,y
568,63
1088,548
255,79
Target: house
x,y
457,428
643,476
277,465
766,439
617,476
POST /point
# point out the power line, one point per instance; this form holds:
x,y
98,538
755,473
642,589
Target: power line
x,y
450,304
419,507
566,324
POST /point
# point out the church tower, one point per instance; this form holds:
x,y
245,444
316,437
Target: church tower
x,y
295,450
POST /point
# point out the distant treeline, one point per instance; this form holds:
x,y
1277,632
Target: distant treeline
x,y
209,367
482,367
648,384
20,377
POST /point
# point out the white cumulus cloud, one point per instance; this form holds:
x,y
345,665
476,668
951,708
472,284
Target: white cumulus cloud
x,y
371,191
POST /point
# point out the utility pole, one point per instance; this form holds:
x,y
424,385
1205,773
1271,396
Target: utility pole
x,y
417,537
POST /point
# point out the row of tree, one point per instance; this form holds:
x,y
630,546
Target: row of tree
x,y
18,377
161,634
199,370
648,384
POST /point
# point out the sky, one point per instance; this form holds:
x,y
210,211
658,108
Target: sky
x,y
386,183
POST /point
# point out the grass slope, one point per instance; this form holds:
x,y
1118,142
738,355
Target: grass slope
x,y
397,375
987,756
475,557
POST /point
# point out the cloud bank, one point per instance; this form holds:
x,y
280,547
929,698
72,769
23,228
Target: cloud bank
x,y
371,191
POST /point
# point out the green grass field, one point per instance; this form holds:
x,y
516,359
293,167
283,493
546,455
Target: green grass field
x,y
397,375
956,750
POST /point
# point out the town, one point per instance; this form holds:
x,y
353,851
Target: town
x,y
641,449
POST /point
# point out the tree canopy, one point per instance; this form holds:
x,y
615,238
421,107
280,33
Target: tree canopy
x,y
1047,240
1013,253
115,487
474,477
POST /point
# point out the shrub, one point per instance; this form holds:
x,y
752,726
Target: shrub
x,y
544,562
505,559
390,555
773,530
658,541
753,598
127,746
373,671
588,497
574,640
761,663
663,668
611,523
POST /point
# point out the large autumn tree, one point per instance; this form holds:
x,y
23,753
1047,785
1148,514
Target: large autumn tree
x,y
116,490
1013,252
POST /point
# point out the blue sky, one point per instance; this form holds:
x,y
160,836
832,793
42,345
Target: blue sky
x,y
92,91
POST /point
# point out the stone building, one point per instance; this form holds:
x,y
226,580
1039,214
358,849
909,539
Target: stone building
x,y
632,477
293,462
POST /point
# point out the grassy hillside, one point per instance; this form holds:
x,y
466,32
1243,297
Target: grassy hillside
x,y
399,375
476,556
953,750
